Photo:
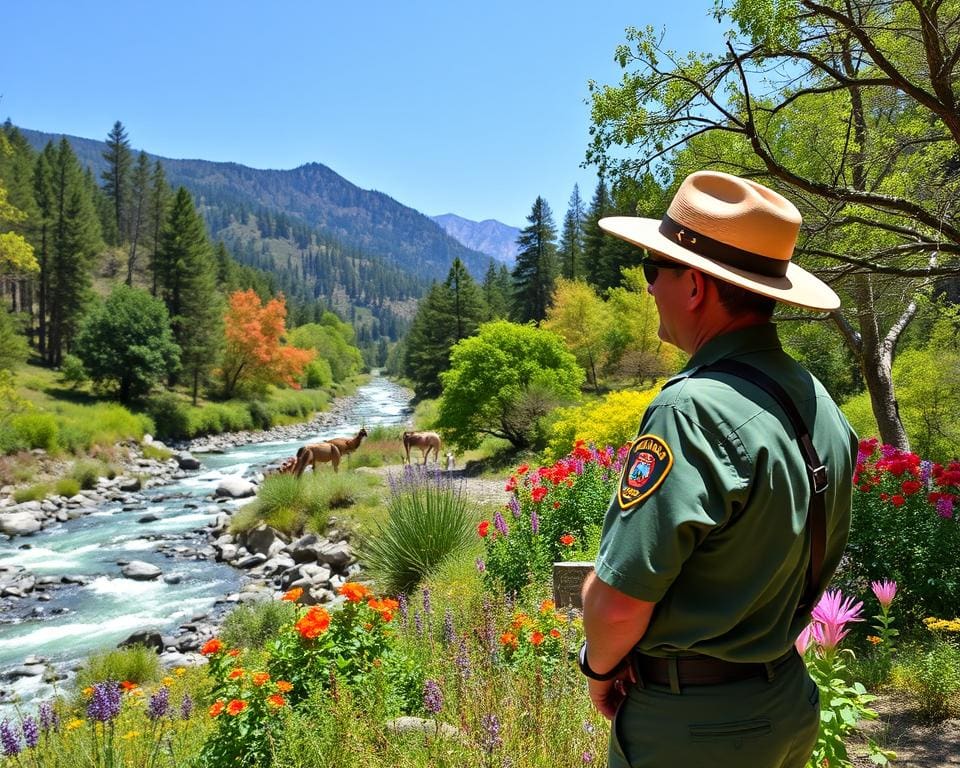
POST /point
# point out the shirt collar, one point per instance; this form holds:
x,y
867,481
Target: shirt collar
x,y
755,338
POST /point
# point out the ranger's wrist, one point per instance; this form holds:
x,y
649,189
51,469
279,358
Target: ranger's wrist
x,y
586,670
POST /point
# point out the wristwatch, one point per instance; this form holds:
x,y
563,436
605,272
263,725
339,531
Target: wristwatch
x,y
585,666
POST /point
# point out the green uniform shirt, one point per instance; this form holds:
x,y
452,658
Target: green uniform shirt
x,y
715,531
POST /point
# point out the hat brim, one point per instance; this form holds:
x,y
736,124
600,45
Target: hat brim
x,y
797,287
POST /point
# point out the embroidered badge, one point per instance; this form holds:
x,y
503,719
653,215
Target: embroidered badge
x,y
648,463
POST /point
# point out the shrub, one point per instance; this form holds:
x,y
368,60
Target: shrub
x,y
428,521
35,492
904,528
555,513
932,677
36,430
611,421
86,473
67,486
252,626
72,371
137,664
155,452
170,416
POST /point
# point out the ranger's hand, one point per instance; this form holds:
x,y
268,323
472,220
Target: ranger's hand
x,y
607,695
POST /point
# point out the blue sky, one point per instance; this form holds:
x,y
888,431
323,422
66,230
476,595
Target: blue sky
x,y
473,109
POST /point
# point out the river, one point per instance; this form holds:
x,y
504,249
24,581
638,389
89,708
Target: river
x,y
104,608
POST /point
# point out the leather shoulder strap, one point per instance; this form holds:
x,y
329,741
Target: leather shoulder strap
x,y
816,471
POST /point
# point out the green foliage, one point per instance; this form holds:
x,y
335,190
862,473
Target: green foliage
x,y
36,492
503,381
331,340
155,452
81,427
931,677
317,374
429,521
898,532
253,626
555,514
87,472
859,412
136,664
72,371
126,343
36,430
819,350
67,486
14,349
535,271
613,420
170,415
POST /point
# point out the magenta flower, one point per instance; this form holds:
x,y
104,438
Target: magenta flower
x,y
885,591
833,613
945,507
805,638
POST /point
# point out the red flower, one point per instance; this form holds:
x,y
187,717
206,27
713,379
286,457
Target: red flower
x,y
235,673
511,485
897,500
314,623
128,686
276,700
211,647
508,639
483,529
567,540
555,633
556,505
236,706
260,678
522,469
910,487
538,493
234,652
536,638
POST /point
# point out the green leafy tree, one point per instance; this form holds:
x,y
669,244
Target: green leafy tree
x,y
187,282
536,269
330,342
116,179
127,343
582,319
14,349
503,381
571,238
856,122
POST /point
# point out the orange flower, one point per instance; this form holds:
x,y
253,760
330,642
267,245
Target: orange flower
x,y
874,639
536,638
211,647
234,652
483,529
520,620
283,686
567,539
385,607
235,673
547,605
354,591
127,685
293,595
522,469
260,678
276,700
236,706
509,639
315,622
555,633
217,708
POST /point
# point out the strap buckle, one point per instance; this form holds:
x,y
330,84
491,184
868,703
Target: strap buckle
x,y
818,477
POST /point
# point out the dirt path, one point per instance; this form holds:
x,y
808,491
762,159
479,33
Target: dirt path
x,y
483,490
915,744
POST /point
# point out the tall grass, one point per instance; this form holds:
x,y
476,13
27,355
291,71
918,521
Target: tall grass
x,y
429,520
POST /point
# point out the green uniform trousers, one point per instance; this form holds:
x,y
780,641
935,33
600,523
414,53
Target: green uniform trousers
x,y
752,723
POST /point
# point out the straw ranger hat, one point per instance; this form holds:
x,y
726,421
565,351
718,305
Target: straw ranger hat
x,y
735,230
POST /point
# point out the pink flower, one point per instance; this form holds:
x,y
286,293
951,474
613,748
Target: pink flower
x,y
885,591
806,637
833,613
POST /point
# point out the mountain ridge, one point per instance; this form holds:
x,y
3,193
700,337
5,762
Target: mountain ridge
x,y
491,237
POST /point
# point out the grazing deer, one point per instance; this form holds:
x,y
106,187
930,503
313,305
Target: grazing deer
x,y
348,445
316,453
425,441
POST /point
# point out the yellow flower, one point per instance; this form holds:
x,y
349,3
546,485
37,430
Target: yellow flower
x,y
74,724
167,681
130,735
874,639
180,671
88,692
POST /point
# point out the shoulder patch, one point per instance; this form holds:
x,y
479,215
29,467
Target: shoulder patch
x,y
647,464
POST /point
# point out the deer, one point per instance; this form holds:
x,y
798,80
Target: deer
x,y
348,445
425,441
316,453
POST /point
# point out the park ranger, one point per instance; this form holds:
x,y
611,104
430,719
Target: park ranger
x,y
734,505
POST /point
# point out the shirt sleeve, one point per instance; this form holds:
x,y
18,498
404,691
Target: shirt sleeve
x,y
645,544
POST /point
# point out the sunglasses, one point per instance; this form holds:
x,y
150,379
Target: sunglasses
x,y
652,267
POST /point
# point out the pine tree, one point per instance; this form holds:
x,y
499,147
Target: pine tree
x,y
593,237
117,179
139,203
496,292
158,208
536,269
571,239
466,304
187,284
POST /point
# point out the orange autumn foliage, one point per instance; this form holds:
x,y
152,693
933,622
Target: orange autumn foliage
x,y
255,355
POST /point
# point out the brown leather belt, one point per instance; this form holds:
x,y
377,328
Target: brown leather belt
x,y
700,670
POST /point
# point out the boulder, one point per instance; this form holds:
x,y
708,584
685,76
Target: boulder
x,y
140,571
409,724
18,523
304,549
338,555
150,638
128,484
186,460
264,540
235,488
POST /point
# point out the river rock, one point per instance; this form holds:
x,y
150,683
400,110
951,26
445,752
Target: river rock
x,y
185,460
304,549
24,670
226,552
251,561
150,517
150,638
172,578
337,555
235,488
18,523
264,540
140,571
128,484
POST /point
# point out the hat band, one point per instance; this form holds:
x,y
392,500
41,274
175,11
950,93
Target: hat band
x,y
726,254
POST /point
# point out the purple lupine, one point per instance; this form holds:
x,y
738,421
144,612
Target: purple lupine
x,y
926,471
489,626
514,506
31,731
481,566
186,707
159,704
403,607
427,610
9,740
432,697
944,507
49,719
104,705
418,623
534,521
490,739
462,660
448,632
500,524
